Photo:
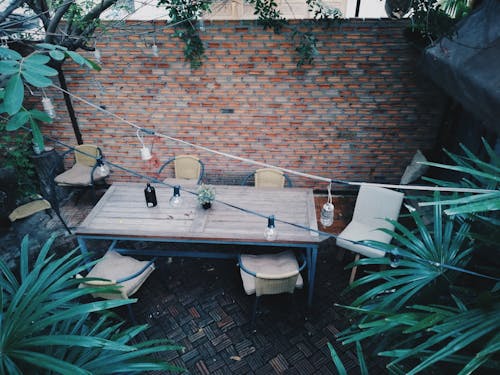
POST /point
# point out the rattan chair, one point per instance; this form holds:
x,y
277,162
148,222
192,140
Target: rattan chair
x,y
188,170
269,274
88,169
268,178
116,269
373,206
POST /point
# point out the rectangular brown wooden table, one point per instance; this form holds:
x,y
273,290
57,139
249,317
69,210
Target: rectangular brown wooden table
x,y
238,216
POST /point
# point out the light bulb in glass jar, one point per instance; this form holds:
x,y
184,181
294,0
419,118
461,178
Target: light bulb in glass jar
x,y
394,257
176,199
270,233
326,216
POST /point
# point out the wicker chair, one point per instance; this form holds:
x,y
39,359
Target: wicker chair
x,y
188,170
87,170
373,205
116,269
269,274
268,178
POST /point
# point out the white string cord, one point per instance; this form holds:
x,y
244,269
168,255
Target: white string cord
x,y
289,171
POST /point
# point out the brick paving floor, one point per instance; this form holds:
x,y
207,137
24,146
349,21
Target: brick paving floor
x,y
200,304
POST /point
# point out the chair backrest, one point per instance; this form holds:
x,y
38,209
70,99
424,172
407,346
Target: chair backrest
x,y
269,284
268,177
374,204
87,155
187,166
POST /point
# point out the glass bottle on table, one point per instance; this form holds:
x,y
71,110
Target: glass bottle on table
x,y
150,195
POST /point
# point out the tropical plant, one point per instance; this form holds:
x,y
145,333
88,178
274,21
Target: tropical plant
x,y
48,327
34,70
435,306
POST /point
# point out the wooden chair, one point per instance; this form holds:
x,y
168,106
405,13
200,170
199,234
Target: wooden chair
x,y
87,170
373,206
269,274
268,178
188,170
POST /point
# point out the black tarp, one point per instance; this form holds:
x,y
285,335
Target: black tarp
x,y
467,63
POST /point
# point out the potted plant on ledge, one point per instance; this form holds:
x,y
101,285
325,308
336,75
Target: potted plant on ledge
x,y
206,195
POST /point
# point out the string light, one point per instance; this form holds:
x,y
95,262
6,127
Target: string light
x,y
327,211
48,107
176,199
270,233
394,258
145,151
102,169
395,251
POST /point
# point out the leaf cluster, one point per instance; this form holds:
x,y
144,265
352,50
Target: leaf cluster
x,y
35,70
429,309
46,326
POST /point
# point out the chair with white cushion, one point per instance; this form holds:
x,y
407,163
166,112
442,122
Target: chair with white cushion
x,y
88,169
269,274
115,269
373,205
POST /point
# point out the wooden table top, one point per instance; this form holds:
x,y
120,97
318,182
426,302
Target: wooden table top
x,y
122,212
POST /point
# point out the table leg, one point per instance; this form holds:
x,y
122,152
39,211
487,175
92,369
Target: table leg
x,y
83,249
312,255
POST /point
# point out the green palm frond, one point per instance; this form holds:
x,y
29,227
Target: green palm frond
x,y
48,326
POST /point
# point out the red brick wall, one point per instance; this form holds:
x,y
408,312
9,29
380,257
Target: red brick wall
x,y
359,113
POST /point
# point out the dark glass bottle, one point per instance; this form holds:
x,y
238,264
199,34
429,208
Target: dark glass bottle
x,y
150,194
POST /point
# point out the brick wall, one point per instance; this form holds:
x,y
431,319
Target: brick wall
x,y
359,113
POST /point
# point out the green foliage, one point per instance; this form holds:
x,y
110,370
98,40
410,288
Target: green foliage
x,y
206,194
15,152
46,326
307,49
268,14
428,312
431,19
34,70
184,14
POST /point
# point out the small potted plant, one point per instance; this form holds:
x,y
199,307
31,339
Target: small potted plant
x,y
206,195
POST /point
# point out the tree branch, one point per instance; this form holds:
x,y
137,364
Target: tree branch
x,y
8,11
54,22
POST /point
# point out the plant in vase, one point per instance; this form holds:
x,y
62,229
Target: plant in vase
x,y
206,195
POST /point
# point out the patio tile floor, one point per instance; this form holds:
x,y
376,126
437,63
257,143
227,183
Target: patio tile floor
x,y
200,304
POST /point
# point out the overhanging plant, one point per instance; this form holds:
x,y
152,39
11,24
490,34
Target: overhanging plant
x,y
32,70
436,308
46,327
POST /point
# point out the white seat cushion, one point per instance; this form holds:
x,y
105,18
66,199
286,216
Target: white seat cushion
x,y
78,175
269,264
356,231
114,266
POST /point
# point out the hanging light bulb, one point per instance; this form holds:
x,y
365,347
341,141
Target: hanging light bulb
x,y
327,211
145,151
97,55
270,233
48,107
176,199
394,257
201,24
102,169
154,49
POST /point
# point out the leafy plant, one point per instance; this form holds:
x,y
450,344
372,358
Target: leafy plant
x,y
15,152
33,70
432,309
206,194
46,327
